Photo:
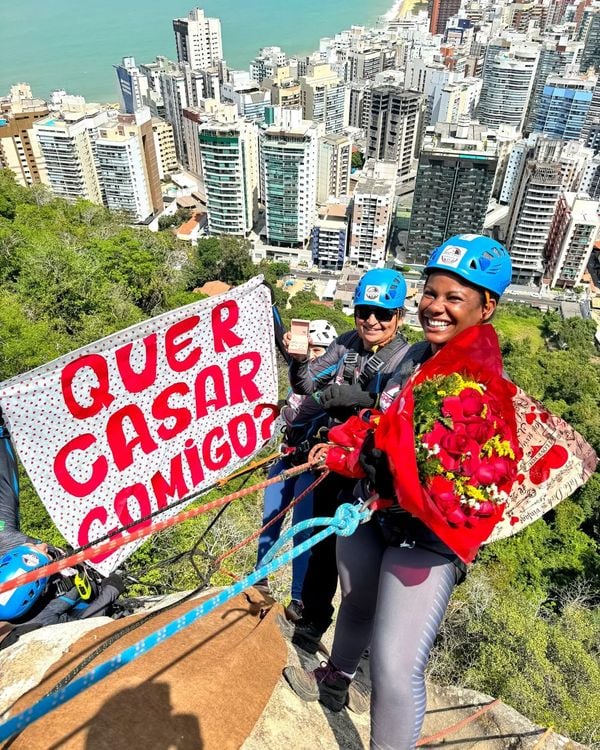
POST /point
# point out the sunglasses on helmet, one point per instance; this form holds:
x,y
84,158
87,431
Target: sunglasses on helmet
x,y
383,314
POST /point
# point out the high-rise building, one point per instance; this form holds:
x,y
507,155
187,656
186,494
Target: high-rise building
x,y
454,183
249,98
507,79
198,39
590,57
19,149
164,143
564,106
193,118
458,100
229,153
571,238
324,98
288,179
265,64
283,88
372,212
134,85
555,56
67,141
335,157
329,237
439,13
531,215
394,128
175,91
128,167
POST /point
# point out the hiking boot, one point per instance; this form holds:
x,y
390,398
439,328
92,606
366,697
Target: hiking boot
x,y
302,634
325,684
293,611
359,697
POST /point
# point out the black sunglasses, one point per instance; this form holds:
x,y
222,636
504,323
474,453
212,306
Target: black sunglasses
x,y
382,314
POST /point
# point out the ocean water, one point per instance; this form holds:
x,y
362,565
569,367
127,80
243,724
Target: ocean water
x,y
73,44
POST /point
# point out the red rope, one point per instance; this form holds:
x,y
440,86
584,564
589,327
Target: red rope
x,y
455,727
276,518
127,537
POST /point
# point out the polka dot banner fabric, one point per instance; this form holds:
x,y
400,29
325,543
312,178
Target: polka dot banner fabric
x,y
125,426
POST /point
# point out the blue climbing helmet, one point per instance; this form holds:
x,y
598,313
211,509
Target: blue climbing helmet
x,y
381,287
480,260
16,562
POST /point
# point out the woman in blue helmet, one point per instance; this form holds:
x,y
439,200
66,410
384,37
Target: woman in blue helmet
x,y
44,601
350,375
396,575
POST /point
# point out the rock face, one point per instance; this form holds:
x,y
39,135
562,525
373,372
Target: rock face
x,y
245,670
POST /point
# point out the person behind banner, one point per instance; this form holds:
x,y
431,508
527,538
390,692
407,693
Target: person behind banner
x,y
63,597
396,575
303,417
350,376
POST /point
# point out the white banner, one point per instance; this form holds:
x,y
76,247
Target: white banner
x,y
128,424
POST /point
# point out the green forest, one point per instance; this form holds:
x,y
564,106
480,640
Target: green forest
x,y
524,627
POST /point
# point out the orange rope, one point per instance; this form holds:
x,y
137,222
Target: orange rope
x,y
459,725
131,536
276,518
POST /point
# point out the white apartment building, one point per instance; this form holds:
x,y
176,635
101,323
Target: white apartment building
x,y
198,39
531,217
265,64
372,211
324,98
122,174
329,237
67,142
288,179
507,81
229,153
572,238
458,99
335,163
128,166
134,85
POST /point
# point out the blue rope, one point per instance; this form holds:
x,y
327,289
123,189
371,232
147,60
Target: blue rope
x,y
345,521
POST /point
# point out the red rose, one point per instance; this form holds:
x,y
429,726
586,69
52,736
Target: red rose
x,y
456,447
494,470
468,403
479,429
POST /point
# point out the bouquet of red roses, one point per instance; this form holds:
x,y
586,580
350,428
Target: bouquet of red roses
x,y
451,441
466,452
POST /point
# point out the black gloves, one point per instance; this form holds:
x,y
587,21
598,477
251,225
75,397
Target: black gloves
x,y
377,468
343,400
115,580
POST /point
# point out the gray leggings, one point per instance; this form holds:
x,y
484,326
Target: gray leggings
x,y
394,598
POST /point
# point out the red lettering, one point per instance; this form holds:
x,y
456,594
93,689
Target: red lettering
x,y
161,409
192,456
223,318
173,347
266,426
134,381
218,386
120,446
99,395
99,467
174,487
222,451
242,384
83,536
139,493
245,421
